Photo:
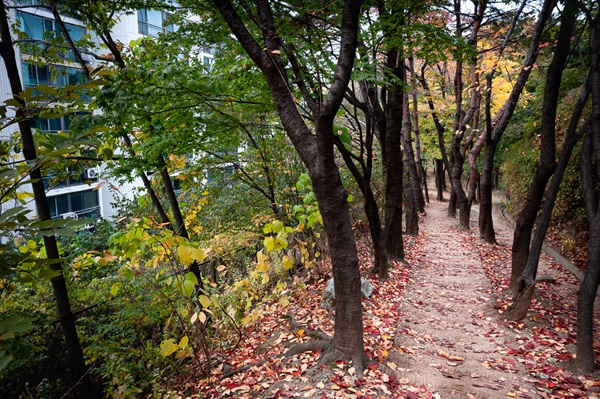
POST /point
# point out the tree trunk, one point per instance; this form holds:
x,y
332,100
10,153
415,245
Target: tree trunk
x,y
79,370
439,179
416,130
393,160
502,118
371,211
411,214
409,153
317,154
589,286
535,194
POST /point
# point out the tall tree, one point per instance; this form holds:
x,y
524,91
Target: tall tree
x,y
591,150
496,127
80,373
535,194
315,149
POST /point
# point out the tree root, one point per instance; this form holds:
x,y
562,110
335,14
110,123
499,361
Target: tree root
x,y
310,346
358,361
520,304
241,369
320,342
317,334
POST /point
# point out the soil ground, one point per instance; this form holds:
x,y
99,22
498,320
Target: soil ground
x,y
434,330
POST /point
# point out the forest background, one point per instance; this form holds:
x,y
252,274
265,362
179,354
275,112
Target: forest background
x,y
315,124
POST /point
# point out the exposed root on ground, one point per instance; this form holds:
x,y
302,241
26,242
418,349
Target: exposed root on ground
x,y
520,303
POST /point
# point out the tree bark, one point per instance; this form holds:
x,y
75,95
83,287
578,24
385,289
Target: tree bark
x,y
409,157
589,286
501,120
547,165
318,155
393,161
79,370
439,179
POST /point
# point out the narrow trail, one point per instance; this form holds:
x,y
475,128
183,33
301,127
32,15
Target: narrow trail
x,y
448,337
434,330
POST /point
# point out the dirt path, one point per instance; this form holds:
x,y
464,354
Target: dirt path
x,y
446,332
434,330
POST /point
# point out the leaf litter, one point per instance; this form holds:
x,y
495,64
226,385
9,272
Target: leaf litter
x,y
441,338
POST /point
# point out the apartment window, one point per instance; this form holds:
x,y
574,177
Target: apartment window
x,y
58,76
83,203
207,61
43,29
154,22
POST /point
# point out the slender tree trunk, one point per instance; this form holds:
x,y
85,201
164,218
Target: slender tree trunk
x,y
411,215
522,300
486,224
371,211
79,370
589,286
409,156
535,194
416,130
439,179
503,117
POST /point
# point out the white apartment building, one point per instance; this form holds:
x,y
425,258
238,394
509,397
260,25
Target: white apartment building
x,y
84,195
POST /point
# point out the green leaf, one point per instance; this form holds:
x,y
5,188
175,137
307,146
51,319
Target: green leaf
x,y
191,277
278,227
188,288
204,301
115,288
5,358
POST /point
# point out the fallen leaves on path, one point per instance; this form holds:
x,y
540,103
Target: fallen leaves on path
x,y
539,345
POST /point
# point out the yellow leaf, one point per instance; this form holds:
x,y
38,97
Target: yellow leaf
x,y
283,301
185,254
183,353
168,347
300,332
198,254
288,262
184,342
269,244
204,301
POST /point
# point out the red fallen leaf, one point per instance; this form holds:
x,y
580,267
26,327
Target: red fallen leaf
x,y
373,366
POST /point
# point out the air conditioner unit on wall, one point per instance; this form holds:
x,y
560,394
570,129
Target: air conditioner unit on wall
x,y
91,173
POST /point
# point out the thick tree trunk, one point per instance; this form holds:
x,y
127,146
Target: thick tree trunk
x,y
393,160
79,370
318,155
535,194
